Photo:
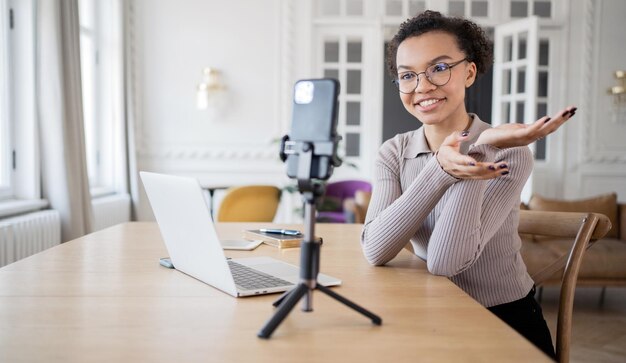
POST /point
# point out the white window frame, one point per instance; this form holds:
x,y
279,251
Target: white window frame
x,y
530,27
369,133
89,71
105,144
555,10
549,172
21,110
6,145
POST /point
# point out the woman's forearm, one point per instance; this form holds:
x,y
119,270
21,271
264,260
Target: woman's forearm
x,y
394,216
475,211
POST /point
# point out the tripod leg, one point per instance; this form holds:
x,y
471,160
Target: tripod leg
x,y
375,318
282,311
282,297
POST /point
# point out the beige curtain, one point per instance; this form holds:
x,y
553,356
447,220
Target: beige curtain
x,y
60,115
129,108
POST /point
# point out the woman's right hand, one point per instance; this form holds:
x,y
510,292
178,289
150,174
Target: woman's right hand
x,y
463,166
516,134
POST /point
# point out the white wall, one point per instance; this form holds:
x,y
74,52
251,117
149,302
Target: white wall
x,y
173,41
596,146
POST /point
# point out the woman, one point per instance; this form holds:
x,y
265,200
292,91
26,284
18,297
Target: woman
x,y
452,187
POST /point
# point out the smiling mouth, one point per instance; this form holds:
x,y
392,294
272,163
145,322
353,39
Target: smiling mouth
x,y
429,102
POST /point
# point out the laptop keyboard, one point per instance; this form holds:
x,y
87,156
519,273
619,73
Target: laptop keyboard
x,y
250,279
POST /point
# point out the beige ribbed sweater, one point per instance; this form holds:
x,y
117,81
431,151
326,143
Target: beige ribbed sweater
x,y
464,229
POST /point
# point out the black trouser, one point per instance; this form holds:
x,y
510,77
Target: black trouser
x,y
525,316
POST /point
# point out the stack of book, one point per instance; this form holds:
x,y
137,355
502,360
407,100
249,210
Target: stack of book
x,y
274,239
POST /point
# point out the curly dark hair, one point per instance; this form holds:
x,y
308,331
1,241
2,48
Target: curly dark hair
x,y
470,37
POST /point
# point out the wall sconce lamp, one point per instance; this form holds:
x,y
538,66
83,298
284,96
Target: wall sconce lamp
x,y
211,92
619,97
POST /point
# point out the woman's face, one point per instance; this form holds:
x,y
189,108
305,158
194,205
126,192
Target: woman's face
x,y
429,103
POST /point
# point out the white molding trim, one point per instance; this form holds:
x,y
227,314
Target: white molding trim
x,y
597,182
206,153
589,153
606,159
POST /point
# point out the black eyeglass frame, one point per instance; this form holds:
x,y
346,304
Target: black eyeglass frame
x,y
450,66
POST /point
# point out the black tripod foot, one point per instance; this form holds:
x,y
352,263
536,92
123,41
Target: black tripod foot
x,y
282,298
289,299
375,318
283,310
309,252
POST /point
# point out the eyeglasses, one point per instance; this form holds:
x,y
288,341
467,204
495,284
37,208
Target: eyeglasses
x,y
438,74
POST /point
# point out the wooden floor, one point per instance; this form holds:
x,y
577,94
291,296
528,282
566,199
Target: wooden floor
x,y
599,330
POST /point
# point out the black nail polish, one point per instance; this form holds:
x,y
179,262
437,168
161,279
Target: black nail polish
x,y
572,113
548,119
491,167
504,173
565,114
464,133
573,110
503,166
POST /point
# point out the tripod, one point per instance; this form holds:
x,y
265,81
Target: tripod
x,y
309,254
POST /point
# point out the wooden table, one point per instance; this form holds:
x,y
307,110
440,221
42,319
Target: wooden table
x,y
104,298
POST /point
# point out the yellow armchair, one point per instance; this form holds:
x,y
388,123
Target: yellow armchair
x,y
252,203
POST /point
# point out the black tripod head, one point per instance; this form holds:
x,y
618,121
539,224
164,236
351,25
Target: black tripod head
x,y
311,163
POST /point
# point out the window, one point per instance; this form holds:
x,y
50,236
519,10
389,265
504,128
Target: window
x,y
522,9
404,8
100,43
19,155
6,147
88,59
340,7
342,60
456,8
542,92
19,159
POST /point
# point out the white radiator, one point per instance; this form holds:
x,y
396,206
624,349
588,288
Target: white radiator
x,y
28,234
110,210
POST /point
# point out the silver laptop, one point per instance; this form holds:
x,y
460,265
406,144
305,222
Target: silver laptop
x,y
194,248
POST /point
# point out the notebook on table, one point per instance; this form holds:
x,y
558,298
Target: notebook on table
x,y
273,239
185,223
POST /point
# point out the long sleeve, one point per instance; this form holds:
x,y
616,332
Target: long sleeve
x,y
475,210
395,215
464,229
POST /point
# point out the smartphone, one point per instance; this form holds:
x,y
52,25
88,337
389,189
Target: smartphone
x,y
314,119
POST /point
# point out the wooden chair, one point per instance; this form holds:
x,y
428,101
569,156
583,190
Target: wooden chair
x,y
357,206
585,229
252,203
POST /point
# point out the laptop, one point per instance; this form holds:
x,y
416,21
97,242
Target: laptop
x,y
194,248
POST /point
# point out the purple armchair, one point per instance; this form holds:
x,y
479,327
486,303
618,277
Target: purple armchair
x,y
331,209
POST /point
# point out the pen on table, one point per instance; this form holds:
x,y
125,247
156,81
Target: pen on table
x,y
287,232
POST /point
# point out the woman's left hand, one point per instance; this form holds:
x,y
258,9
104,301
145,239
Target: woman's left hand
x,y
513,135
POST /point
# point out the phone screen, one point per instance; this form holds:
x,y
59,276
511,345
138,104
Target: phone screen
x,y
314,119
314,110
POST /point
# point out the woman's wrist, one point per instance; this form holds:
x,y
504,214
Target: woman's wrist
x,y
442,168
483,152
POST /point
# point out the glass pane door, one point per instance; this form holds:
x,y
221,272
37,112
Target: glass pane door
x,y
516,46
342,57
